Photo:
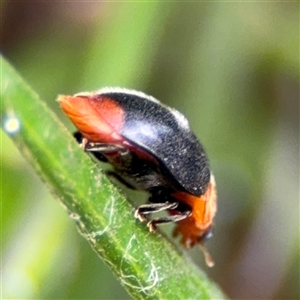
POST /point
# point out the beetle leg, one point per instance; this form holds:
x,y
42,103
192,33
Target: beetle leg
x,y
150,208
82,141
97,147
102,147
175,218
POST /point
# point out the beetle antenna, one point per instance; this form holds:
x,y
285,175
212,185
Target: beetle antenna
x,y
208,259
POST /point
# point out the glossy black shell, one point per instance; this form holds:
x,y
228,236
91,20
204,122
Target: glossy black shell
x,y
165,134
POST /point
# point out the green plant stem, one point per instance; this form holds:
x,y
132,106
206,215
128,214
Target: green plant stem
x,y
147,265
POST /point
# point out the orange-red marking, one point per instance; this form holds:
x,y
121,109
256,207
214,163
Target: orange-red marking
x,y
99,120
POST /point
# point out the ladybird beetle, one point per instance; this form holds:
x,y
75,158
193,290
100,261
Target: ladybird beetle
x,y
151,148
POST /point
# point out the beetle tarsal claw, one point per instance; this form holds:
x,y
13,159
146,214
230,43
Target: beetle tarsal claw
x,y
151,226
139,216
84,143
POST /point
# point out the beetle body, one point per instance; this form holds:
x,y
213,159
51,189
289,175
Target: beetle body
x,y
152,148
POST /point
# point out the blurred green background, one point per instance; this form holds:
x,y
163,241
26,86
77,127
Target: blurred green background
x,y
231,67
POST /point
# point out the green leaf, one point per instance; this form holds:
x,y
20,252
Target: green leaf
x,y
147,265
